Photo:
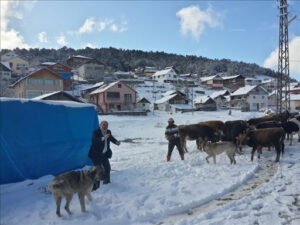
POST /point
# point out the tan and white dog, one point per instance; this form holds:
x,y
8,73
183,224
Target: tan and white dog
x,y
67,184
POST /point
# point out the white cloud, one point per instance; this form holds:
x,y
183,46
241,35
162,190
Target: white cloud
x,y
10,10
61,40
294,54
91,24
43,37
193,20
88,26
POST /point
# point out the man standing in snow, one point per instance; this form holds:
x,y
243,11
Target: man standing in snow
x,y
173,139
100,151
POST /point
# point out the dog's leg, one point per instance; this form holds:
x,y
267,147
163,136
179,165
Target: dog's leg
x,y
214,158
207,158
58,202
82,203
89,197
68,201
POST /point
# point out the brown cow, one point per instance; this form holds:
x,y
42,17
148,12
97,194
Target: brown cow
x,y
200,132
283,117
257,139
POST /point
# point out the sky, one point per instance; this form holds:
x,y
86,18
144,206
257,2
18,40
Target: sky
x,y
238,30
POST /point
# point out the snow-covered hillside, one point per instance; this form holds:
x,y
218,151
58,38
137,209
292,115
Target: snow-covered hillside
x,y
146,189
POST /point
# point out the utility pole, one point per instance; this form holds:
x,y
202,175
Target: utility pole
x,y
283,76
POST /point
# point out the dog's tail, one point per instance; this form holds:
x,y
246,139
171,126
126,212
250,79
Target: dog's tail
x,y
55,184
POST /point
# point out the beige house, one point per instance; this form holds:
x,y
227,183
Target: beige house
x,y
40,82
92,70
17,64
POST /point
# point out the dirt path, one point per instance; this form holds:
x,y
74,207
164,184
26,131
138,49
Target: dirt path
x,y
266,171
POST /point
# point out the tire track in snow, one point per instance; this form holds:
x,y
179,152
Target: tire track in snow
x,y
267,169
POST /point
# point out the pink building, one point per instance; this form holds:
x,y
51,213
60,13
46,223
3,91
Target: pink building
x,y
116,96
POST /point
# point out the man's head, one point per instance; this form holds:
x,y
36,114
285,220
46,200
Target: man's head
x,y
104,125
171,121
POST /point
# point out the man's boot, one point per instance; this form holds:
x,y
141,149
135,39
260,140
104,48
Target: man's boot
x,y
168,158
182,157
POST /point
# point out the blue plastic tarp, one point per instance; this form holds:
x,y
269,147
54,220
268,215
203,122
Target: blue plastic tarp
x,y
43,137
65,75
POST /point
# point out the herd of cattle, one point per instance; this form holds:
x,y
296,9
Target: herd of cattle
x,y
215,137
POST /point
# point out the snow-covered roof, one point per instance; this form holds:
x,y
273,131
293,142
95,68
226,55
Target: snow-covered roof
x,y
217,94
243,90
94,86
231,77
203,79
48,63
250,78
103,88
6,64
123,73
142,99
165,99
202,99
81,56
45,95
162,72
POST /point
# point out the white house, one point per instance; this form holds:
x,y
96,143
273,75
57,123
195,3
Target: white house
x,y
164,104
143,104
252,81
92,70
205,103
219,98
252,98
166,76
295,102
214,82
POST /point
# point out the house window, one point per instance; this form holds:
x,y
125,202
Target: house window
x,y
144,104
253,97
262,97
35,93
111,106
113,95
119,85
127,97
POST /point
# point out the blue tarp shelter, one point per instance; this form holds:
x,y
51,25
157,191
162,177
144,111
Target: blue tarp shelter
x,y
43,137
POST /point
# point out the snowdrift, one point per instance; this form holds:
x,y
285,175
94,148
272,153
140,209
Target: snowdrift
x,y
43,137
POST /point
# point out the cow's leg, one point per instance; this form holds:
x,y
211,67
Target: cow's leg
x,y
233,157
252,153
183,143
278,150
259,151
214,156
299,135
291,138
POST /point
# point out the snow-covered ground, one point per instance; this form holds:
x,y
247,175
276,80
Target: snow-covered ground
x,y
145,189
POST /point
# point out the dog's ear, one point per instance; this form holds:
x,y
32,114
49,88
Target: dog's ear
x,y
92,172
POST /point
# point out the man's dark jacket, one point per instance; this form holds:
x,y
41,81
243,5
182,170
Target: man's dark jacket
x,y
98,145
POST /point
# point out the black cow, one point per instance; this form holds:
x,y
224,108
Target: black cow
x,y
234,129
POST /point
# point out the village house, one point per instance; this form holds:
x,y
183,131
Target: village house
x,y
220,98
85,92
143,104
205,103
252,81
270,85
75,61
112,97
251,98
40,82
213,82
295,102
18,65
234,82
58,96
5,72
148,71
272,99
168,75
170,98
92,70
62,70
123,75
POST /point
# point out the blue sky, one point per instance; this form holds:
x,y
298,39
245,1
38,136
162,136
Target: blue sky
x,y
237,30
